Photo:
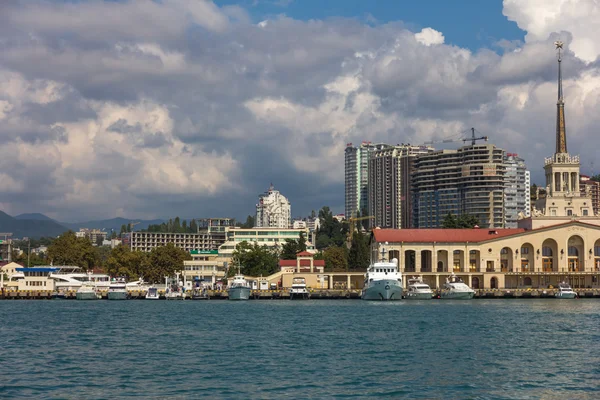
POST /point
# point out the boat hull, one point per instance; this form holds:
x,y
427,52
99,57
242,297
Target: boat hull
x,y
384,290
117,295
451,295
299,295
566,295
86,296
418,296
239,293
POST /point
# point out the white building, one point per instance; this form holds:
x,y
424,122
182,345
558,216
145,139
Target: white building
x,y
273,210
516,190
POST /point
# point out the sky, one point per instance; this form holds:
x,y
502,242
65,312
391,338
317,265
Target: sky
x,y
193,108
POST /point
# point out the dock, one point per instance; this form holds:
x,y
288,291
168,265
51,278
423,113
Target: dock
x,y
315,294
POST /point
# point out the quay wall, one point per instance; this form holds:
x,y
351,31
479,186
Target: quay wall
x,y
314,294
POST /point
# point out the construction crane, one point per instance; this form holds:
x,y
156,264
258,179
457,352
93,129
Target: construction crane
x,y
351,227
132,224
473,139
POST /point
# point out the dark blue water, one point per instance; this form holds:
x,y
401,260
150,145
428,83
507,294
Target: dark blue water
x,y
312,349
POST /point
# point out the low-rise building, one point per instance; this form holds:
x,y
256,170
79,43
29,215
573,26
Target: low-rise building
x,y
205,266
146,241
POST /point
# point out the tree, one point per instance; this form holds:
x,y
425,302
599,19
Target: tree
x,y
123,228
464,221
292,247
164,261
331,231
450,222
71,250
193,226
113,234
467,221
255,260
249,222
126,263
336,259
596,178
359,258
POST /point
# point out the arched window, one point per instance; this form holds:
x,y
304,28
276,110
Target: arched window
x,y
527,281
546,252
573,252
597,251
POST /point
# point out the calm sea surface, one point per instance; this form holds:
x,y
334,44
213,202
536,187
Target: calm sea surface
x,y
300,349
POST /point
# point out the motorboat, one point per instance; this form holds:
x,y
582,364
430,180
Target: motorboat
x,y
565,291
117,290
239,288
456,289
418,290
299,289
152,293
86,292
383,280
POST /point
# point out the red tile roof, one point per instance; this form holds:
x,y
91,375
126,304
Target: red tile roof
x,y
441,235
304,254
303,263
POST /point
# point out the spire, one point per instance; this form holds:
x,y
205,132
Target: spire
x,y
561,135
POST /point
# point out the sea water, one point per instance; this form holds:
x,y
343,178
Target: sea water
x,y
300,349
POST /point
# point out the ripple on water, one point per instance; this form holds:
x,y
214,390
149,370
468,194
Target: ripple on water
x,y
274,349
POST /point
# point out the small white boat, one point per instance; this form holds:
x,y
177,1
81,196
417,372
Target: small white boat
x,y
565,291
239,288
117,290
418,290
86,292
299,289
152,293
456,289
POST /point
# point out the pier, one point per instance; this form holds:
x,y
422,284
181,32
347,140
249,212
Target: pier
x,y
315,294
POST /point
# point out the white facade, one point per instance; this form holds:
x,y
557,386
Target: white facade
x,y
273,210
516,190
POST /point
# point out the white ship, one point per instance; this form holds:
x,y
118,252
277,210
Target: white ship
x,y
418,290
456,289
299,289
239,288
117,290
565,291
383,281
86,292
152,293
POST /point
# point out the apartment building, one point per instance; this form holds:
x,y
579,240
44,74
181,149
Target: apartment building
x,y
389,181
273,210
516,190
469,180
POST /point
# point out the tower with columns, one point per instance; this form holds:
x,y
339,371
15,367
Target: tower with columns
x,y
563,197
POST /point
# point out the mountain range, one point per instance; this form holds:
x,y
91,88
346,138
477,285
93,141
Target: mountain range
x,y
36,225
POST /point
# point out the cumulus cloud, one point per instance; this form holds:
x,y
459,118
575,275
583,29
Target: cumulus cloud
x,y
155,109
540,18
429,36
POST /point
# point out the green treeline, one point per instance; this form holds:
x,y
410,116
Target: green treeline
x,y
68,249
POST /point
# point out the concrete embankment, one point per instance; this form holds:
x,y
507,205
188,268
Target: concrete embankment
x,y
323,294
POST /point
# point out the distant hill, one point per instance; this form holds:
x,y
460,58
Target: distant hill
x,y
34,216
114,223
34,228
36,225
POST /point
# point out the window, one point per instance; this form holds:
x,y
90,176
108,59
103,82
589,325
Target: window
x,y
524,250
569,213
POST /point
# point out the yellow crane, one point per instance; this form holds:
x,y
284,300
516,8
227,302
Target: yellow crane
x,y
352,227
132,224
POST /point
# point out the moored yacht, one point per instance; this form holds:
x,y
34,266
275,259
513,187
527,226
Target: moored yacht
x,y
418,290
239,288
86,292
565,291
299,289
152,293
383,281
117,290
456,289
